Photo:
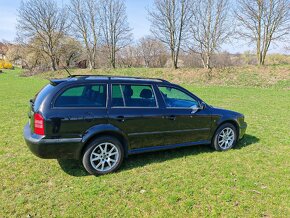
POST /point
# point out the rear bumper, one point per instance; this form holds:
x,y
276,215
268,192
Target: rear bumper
x,y
66,148
243,128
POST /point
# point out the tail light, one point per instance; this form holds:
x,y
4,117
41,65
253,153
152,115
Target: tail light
x,y
38,124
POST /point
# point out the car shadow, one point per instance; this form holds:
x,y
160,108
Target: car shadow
x,y
72,167
75,168
246,141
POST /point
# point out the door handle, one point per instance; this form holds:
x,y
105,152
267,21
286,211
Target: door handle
x,y
171,117
121,118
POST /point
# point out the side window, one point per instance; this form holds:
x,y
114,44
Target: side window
x,y
76,91
174,98
83,96
133,96
117,97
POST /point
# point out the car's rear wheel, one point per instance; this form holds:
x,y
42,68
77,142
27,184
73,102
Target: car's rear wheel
x,y
103,155
225,137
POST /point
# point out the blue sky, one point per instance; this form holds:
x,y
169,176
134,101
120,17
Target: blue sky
x,y
136,11
137,17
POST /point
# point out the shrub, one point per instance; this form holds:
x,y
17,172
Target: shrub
x,y
5,65
8,65
278,59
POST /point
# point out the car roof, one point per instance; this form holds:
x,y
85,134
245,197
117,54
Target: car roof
x,y
107,78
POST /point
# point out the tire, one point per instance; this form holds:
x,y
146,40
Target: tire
x,y
225,137
103,155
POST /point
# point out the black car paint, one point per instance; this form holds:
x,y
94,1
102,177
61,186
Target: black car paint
x,y
67,131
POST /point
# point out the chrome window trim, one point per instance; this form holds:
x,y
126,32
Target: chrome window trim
x,y
134,84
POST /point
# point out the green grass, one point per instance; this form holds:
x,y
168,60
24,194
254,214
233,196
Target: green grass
x,y
249,181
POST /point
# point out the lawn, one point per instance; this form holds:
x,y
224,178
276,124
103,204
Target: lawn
x,y
251,180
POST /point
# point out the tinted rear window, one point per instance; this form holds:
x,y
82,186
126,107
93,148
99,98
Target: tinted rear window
x,y
83,96
41,95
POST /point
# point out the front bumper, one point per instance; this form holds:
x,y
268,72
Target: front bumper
x,y
65,148
243,127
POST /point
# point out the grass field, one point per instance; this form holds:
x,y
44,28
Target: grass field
x,y
272,76
251,180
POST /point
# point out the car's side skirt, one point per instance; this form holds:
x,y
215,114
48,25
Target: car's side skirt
x,y
165,147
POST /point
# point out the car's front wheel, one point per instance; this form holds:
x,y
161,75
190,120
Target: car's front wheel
x,y
103,155
225,137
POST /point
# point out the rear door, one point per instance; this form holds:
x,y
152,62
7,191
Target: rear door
x,y
135,110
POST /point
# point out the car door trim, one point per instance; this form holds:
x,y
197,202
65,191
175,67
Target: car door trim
x,y
170,131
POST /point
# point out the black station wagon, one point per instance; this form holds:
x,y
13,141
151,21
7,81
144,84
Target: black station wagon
x,y
102,119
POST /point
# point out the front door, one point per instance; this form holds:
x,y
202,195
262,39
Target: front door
x,y
183,122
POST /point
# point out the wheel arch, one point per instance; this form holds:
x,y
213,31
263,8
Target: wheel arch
x,y
231,121
103,130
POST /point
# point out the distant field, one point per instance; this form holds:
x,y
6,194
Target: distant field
x,y
274,76
249,181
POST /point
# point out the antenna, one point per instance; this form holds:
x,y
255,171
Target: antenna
x,y
68,72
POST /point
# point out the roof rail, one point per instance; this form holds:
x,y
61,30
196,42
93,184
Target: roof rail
x,y
117,76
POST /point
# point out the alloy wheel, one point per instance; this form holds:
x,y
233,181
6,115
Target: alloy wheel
x,y
226,138
104,157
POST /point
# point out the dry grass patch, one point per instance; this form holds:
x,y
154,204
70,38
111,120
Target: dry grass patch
x,y
249,76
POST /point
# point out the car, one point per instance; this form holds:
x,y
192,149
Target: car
x,y
100,120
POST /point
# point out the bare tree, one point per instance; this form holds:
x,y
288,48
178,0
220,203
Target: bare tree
x,y
129,57
69,52
209,28
263,22
85,26
44,20
115,30
169,23
4,47
152,51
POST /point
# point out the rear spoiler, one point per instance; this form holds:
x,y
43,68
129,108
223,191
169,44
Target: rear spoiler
x,y
55,82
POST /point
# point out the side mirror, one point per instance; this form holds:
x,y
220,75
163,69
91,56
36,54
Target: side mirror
x,y
196,108
202,105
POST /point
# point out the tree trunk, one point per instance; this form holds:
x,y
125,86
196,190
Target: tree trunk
x,y
263,57
113,59
113,64
53,63
175,66
208,61
203,61
90,62
173,60
259,32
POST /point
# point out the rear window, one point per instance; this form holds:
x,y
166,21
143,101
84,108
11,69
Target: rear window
x,y
41,95
83,96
